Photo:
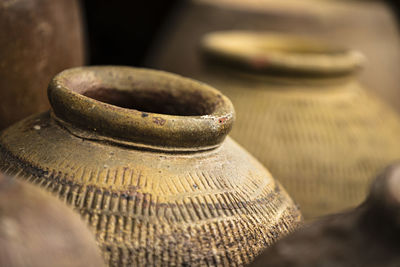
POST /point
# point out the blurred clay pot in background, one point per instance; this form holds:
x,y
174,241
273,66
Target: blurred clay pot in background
x,y
37,229
39,39
144,157
368,26
367,236
303,114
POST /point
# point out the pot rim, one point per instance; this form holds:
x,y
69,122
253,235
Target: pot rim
x,y
279,54
96,119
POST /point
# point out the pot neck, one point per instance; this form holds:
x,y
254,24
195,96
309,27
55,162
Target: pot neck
x,y
277,58
141,108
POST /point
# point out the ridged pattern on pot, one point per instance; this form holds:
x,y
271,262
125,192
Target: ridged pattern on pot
x,y
152,208
324,143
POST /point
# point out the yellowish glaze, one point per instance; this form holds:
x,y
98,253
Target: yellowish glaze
x,y
318,132
149,207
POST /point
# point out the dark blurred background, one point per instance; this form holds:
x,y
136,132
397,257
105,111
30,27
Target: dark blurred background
x,y
122,32
395,6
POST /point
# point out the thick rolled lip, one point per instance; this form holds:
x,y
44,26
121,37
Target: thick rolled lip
x,y
282,54
94,119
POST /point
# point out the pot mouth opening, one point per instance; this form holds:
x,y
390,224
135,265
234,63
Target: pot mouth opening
x,y
142,107
154,101
279,54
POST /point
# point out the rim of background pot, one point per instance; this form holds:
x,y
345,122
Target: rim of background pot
x,y
279,54
140,107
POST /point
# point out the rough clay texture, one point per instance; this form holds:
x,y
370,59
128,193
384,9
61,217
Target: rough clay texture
x,y
39,39
217,208
37,229
324,141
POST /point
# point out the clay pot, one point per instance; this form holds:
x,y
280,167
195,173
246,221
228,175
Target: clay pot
x,y
40,39
368,26
144,157
303,114
36,229
366,236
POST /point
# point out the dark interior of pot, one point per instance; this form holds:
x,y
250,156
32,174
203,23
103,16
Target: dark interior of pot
x,y
143,90
191,103
147,108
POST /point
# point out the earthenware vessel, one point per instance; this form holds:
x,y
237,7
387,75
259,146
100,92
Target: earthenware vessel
x,y
40,39
366,236
368,26
144,157
304,115
36,229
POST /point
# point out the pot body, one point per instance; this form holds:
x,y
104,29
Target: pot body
x,y
368,26
366,236
39,230
216,207
47,40
323,140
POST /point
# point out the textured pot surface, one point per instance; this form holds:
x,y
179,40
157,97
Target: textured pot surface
x,y
368,26
40,39
39,230
302,113
148,167
367,236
